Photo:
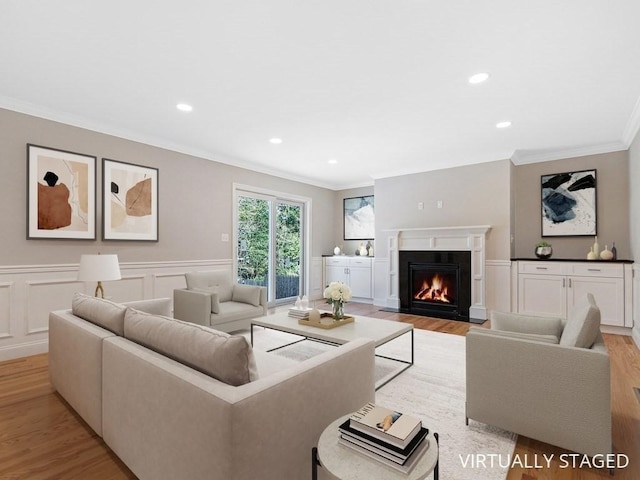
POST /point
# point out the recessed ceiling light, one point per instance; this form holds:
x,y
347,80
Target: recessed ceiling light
x,y
276,141
478,77
332,161
184,107
505,124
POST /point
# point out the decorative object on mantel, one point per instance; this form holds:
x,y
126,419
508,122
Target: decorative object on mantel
x,y
99,268
337,294
606,254
596,247
592,255
569,204
336,251
363,250
543,250
614,251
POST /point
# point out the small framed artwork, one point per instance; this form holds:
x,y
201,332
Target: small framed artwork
x,y
61,188
569,204
130,201
359,218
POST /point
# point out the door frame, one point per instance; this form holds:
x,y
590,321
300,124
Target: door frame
x,y
305,265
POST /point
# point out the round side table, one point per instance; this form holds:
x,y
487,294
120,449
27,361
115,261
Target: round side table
x,y
347,464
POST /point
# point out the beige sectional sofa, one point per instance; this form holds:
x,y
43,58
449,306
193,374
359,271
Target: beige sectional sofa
x,y
153,388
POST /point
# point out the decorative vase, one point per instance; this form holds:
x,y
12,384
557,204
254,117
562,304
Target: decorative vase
x,y
596,247
606,254
592,255
543,252
338,310
336,251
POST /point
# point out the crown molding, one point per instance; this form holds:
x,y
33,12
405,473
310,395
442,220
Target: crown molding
x,y
84,123
522,157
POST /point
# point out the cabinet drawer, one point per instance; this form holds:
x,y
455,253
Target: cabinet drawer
x,y
543,268
337,261
360,262
597,270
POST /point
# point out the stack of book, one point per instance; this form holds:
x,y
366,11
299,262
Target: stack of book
x,y
395,439
300,312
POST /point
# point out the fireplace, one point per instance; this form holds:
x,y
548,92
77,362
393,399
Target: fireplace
x,y
435,283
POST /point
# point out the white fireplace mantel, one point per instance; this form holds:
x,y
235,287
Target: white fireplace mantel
x,y
470,238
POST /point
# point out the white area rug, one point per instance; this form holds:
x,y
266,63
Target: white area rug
x,y
433,389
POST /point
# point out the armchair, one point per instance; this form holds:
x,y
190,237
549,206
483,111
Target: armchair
x,y
212,299
545,378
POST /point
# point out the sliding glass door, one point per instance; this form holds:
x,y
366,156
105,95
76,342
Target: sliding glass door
x,y
269,231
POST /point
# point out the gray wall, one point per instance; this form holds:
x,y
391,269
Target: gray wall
x,y
195,197
612,205
470,195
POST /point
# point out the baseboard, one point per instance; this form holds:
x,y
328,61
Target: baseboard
x,y
635,334
23,350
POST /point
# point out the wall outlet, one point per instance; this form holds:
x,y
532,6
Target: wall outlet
x,y
439,203
224,237
420,206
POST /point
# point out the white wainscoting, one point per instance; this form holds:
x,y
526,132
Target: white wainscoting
x,y
29,292
635,332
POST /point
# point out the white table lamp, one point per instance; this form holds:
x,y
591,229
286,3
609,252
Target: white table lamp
x,y
99,268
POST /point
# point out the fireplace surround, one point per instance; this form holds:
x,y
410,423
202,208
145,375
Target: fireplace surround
x,y
469,239
435,283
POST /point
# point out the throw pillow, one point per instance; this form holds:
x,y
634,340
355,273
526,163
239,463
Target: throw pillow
x,y
583,325
222,356
99,311
157,306
246,294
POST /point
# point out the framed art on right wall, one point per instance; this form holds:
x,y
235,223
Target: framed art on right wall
x,y
569,204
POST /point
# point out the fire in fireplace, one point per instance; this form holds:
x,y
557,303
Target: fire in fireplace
x,y
435,283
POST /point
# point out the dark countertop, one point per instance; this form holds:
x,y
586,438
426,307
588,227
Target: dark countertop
x,y
535,259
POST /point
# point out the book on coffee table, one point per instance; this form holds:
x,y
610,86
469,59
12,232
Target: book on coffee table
x,y
390,426
391,452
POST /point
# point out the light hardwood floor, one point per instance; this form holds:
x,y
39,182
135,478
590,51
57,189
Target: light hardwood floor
x,y
41,437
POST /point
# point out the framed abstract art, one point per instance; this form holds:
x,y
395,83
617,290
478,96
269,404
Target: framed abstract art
x,y
359,218
569,204
130,201
61,188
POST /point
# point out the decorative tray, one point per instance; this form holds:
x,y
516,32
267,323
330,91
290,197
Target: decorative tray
x,y
346,319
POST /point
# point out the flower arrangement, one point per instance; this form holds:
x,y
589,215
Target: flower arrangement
x,y
337,294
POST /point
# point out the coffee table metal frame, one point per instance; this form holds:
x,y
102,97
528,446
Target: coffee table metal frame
x,y
380,333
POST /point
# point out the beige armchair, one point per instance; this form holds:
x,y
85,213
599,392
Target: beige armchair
x,y
214,300
545,378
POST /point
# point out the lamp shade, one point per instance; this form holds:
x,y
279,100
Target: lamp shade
x,y
99,268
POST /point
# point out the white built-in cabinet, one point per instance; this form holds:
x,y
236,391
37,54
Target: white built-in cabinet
x,y
357,272
553,288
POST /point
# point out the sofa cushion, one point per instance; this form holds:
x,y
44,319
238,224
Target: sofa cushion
x,y
246,294
215,281
99,311
222,356
157,306
583,325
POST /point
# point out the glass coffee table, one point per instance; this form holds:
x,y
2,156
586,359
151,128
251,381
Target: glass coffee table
x,y
347,464
376,329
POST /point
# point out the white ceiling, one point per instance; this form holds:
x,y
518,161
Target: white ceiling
x,y
379,85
